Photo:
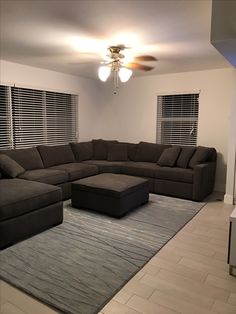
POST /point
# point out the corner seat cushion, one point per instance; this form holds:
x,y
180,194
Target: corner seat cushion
x,y
77,170
139,169
49,176
106,166
18,197
174,174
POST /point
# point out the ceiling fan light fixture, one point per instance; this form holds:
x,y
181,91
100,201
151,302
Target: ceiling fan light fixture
x,y
125,74
104,72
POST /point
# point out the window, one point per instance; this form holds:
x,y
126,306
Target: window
x,y
5,118
36,117
177,119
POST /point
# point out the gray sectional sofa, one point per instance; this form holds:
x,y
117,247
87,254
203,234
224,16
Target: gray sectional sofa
x,y
37,180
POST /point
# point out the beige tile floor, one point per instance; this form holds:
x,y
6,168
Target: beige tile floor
x,y
188,276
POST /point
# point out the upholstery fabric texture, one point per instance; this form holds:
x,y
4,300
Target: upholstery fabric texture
x,y
77,170
115,185
28,158
174,174
82,151
10,167
141,169
106,166
149,152
56,155
49,176
117,152
185,156
169,156
27,196
201,155
100,149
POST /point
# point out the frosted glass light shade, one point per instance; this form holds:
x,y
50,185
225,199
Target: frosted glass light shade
x,y
125,74
104,72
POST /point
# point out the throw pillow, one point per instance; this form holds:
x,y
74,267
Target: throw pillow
x,y
149,152
184,156
200,156
117,152
10,167
169,156
82,151
100,149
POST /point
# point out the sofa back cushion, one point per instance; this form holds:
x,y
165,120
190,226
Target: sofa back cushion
x,y
56,155
149,152
100,149
202,155
169,156
185,156
28,158
82,151
10,167
117,152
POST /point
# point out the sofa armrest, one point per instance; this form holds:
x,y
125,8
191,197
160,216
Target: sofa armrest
x,y
203,180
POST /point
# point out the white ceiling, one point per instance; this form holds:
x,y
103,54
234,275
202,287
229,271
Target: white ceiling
x,y
57,34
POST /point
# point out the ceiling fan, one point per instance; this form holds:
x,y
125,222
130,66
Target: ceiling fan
x,y
121,66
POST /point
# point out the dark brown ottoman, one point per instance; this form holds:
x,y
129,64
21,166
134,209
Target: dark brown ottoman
x,y
112,194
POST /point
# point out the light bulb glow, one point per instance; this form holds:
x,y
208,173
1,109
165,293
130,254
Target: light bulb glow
x,y
104,72
125,74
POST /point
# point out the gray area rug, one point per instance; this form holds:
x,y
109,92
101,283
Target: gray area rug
x,y
78,267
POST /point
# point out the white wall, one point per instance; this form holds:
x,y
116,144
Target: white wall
x,y
88,91
131,114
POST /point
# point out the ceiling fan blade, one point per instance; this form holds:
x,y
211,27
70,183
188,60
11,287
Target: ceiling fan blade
x,y
138,66
145,58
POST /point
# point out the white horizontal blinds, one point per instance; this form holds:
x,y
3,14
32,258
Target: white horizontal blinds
x,y
177,119
61,117
28,117
5,118
43,117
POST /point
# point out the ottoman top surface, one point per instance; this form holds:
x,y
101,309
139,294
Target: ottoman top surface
x,y
111,183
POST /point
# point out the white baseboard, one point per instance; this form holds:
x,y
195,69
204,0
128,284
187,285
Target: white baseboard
x,y
229,199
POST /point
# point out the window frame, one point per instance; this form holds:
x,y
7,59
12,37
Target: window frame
x,y
183,120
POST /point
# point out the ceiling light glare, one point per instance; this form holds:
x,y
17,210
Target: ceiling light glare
x,y
125,74
88,45
104,72
127,39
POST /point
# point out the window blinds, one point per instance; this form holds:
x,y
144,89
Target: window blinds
x,y
177,119
41,117
5,118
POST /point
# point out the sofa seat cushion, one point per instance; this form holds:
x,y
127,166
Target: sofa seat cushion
x,y
49,176
18,197
174,174
77,170
106,166
139,169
